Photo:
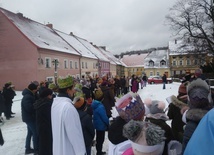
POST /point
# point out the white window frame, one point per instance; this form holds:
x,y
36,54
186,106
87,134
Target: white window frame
x,y
47,64
82,64
76,65
71,64
66,63
86,65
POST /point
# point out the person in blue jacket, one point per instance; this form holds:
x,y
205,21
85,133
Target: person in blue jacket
x,y
100,120
202,140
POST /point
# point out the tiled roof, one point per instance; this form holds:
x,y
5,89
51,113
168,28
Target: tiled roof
x,y
134,60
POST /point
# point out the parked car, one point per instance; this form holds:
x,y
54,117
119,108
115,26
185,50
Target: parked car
x,y
157,79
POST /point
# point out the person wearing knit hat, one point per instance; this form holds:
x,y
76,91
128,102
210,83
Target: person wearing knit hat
x,y
157,116
129,107
65,118
174,112
146,138
86,122
100,120
43,121
199,103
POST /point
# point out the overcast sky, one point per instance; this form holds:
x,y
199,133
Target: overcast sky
x,y
120,25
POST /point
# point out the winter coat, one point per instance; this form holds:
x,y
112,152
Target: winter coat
x,y
202,141
8,94
175,115
2,103
100,119
193,117
28,111
1,138
164,78
115,132
160,120
108,99
87,127
135,85
43,124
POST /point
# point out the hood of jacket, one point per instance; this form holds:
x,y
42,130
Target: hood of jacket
x,y
195,114
95,104
39,103
27,91
178,103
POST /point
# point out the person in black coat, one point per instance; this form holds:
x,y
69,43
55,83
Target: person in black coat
x,y
43,121
2,106
29,117
108,98
8,94
164,79
86,122
1,138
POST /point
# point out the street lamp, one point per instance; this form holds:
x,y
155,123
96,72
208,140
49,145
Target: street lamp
x,y
55,63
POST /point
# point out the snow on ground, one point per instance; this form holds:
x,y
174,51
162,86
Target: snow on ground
x,y
14,130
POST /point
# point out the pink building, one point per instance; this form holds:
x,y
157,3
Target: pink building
x,y
29,50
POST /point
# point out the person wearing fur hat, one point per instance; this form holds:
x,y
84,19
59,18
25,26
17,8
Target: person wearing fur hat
x,y
157,116
66,126
174,113
199,103
86,122
29,117
43,121
100,120
129,107
146,138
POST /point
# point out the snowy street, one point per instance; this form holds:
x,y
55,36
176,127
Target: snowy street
x,y
14,130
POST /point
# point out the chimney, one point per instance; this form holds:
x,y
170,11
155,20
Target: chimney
x,y
103,47
20,15
71,33
175,41
49,25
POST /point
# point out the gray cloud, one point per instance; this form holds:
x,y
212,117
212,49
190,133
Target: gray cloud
x,y
120,25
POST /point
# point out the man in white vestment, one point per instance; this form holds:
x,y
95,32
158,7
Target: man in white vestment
x,y
66,127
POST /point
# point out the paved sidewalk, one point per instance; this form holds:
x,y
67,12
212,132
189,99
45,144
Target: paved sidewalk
x,y
14,132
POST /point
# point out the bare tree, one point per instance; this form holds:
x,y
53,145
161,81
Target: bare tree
x,y
193,21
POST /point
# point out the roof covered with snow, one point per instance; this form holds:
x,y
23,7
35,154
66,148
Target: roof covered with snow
x,y
41,35
75,43
109,58
179,47
112,57
93,49
134,60
157,56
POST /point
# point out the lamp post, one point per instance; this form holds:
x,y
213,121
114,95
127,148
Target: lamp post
x,y
55,63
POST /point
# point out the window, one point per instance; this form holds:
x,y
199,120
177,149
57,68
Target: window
x,y
180,62
48,62
50,79
71,64
151,63
195,62
76,65
163,63
151,74
65,63
174,62
158,74
86,65
188,62
82,64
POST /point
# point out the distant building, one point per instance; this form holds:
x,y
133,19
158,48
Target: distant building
x,y
157,63
184,58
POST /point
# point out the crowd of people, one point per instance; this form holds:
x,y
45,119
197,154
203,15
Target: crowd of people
x,y
75,114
